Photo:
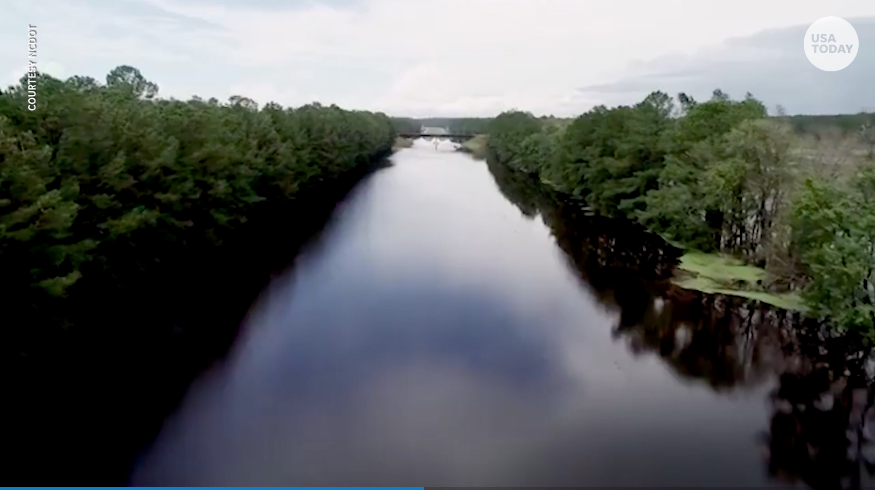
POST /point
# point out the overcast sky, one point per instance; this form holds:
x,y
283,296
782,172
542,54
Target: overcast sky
x,y
449,57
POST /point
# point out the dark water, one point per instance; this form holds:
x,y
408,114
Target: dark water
x,y
446,330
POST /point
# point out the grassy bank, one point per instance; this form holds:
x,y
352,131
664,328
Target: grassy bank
x,y
401,143
714,273
476,146
722,179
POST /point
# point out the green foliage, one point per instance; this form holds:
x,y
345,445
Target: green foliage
x,y
701,176
508,142
815,125
721,274
476,146
638,161
128,81
834,227
98,166
719,176
462,125
618,153
721,269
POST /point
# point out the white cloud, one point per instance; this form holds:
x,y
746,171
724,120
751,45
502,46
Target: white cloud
x,y
414,57
48,67
770,65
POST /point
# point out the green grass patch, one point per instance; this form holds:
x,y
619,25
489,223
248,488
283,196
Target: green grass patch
x,y
721,274
476,146
721,268
402,143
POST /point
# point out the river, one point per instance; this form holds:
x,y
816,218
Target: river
x,y
437,333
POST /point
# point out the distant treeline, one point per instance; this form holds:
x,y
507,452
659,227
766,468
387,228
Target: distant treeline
x,y
464,125
844,124
817,126
133,234
721,176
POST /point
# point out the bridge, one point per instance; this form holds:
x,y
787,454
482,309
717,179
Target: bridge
x,y
436,133
452,136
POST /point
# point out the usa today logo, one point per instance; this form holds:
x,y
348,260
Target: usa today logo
x,y
831,43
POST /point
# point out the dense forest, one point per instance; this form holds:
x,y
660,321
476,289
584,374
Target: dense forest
x,y
722,177
464,125
723,341
814,126
134,231
103,162
830,125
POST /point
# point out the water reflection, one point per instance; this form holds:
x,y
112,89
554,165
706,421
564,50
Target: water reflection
x,y
817,432
436,337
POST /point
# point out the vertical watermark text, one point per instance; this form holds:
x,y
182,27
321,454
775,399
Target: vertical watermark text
x,y
31,67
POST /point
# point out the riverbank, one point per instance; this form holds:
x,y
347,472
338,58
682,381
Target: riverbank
x,y
401,143
782,222
713,273
149,336
510,331
728,342
476,146
134,237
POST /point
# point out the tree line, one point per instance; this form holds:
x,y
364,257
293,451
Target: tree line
x,y
721,176
134,233
804,125
459,125
102,163
723,341
820,125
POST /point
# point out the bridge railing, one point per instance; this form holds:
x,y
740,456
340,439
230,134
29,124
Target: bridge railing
x,y
444,135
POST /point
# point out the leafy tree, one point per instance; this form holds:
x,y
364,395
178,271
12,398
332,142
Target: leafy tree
x,y
834,226
100,167
130,80
697,143
718,176
131,240
507,133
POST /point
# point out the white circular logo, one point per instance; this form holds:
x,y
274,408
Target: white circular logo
x,y
831,43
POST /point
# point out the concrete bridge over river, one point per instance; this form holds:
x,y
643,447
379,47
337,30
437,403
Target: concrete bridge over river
x,y
441,133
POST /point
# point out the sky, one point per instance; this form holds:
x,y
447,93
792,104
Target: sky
x,y
449,57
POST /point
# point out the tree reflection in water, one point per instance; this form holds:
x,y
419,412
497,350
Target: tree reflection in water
x,y
822,407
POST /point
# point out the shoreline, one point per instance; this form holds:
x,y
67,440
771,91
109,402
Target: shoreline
x,y
173,324
710,273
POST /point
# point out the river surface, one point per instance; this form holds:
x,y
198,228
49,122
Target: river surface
x,y
436,335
